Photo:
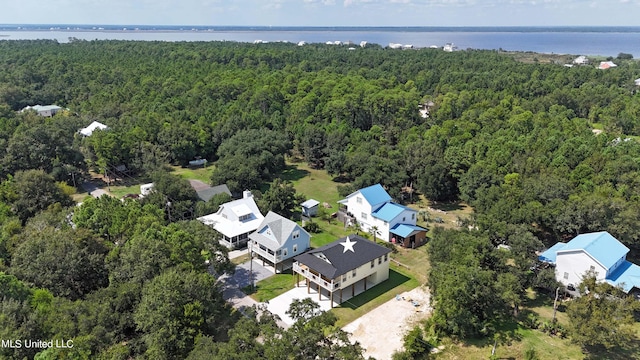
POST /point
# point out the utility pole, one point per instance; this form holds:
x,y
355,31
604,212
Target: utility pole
x,y
251,266
555,305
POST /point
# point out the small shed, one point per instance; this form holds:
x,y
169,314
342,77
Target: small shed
x,y
145,189
310,208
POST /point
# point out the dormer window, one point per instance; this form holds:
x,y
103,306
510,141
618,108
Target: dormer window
x,y
244,217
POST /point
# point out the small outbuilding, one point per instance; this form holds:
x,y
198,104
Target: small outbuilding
x,y
637,82
310,208
92,127
606,65
145,189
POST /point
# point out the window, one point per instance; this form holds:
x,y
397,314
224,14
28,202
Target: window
x,y
344,277
380,260
413,216
364,215
386,223
295,248
359,200
404,218
373,262
353,273
284,252
386,257
566,276
296,234
592,268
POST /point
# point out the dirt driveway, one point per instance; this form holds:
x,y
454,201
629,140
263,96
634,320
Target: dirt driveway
x,y
380,331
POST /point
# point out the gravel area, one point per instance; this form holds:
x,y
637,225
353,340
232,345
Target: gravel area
x,y
380,331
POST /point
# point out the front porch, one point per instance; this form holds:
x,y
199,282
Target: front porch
x,y
278,266
329,290
409,236
235,242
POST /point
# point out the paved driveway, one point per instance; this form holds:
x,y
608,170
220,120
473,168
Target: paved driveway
x,y
231,284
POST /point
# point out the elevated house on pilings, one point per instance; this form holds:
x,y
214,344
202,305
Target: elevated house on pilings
x,y
343,268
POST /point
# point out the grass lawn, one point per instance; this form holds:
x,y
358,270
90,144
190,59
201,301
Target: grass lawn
x,y
120,191
272,286
80,197
446,214
314,184
520,339
201,173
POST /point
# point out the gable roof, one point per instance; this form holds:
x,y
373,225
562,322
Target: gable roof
x,y
40,108
92,127
310,203
225,223
335,259
374,194
406,230
549,255
606,65
389,211
626,275
601,246
280,227
207,193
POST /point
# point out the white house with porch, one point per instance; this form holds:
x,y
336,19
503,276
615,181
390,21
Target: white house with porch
x,y
44,110
277,240
235,220
342,266
373,209
598,252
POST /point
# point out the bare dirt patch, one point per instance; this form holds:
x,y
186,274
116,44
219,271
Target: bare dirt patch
x,y
380,331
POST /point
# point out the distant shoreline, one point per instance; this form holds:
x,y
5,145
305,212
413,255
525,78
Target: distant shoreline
x,y
419,29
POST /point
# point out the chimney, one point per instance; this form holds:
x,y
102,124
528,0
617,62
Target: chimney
x,y
246,194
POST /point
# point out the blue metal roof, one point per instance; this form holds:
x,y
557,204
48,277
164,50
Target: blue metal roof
x,y
603,247
375,194
405,230
627,276
549,255
389,211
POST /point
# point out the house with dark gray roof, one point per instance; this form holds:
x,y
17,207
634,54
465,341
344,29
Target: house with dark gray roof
x,y
343,265
277,240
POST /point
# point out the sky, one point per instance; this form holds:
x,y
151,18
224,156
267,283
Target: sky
x,y
324,12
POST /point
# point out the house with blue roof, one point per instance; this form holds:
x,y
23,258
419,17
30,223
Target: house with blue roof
x,y
598,252
372,208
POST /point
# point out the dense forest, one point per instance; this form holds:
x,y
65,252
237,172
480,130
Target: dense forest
x,y
514,140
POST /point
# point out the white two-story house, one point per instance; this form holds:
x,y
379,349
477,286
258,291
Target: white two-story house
x,y
235,220
343,268
597,252
375,212
277,240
